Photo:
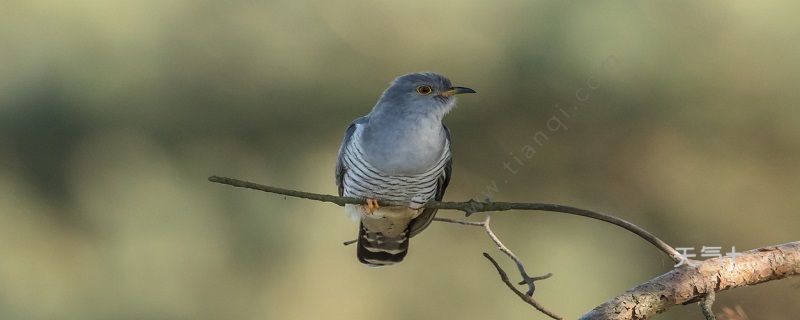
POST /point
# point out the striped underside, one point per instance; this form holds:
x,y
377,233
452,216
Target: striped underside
x,y
383,235
365,181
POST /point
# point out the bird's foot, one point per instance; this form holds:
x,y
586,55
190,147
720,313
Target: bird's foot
x,y
370,207
372,204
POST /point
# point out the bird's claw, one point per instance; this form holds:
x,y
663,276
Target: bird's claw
x,y
372,204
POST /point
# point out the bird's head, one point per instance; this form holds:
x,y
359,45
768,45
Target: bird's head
x,y
425,94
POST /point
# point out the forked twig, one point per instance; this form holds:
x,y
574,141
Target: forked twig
x,y
527,296
523,296
485,224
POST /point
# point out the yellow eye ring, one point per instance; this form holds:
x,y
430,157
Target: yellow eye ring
x,y
424,90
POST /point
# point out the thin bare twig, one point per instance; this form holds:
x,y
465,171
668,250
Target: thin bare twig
x,y
520,294
456,221
485,224
528,296
525,278
468,207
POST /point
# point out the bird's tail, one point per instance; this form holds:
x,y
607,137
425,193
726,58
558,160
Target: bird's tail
x,y
376,249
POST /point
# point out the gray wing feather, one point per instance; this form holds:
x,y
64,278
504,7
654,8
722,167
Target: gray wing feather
x,y
426,217
340,168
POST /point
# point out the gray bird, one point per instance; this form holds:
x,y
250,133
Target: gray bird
x,y
399,152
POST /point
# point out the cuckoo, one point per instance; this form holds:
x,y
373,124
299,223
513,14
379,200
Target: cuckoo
x,y
399,153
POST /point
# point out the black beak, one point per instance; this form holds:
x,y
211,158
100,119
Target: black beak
x,y
457,90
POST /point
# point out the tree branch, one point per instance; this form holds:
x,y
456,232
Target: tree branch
x,y
683,285
468,207
688,284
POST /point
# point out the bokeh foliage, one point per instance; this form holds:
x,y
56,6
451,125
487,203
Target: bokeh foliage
x,y
113,113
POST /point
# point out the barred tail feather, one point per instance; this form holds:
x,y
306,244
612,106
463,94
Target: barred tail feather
x,y
376,250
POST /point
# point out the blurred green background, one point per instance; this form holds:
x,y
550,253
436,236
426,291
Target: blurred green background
x,y
114,113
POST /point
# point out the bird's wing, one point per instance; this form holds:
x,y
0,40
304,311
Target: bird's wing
x,y
426,217
340,168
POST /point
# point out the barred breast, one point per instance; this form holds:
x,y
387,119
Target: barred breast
x,y
365,181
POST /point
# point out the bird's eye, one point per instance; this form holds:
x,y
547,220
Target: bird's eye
x,y
424,90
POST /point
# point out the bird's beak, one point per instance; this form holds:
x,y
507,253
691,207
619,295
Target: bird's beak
x,y
456,90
